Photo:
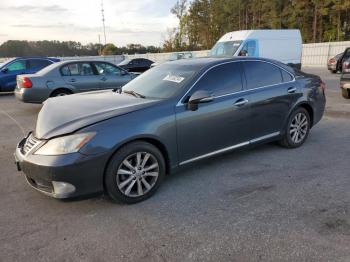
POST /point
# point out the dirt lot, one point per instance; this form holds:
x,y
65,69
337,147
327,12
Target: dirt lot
x,y
265,204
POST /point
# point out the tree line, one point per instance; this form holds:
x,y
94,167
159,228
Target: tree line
x,y
15,48
203,22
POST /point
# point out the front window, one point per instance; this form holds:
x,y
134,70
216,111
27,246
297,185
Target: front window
x,y
17,65
161,82
107,69
228,48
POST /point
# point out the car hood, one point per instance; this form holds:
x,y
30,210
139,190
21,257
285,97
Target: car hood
x,y
66,114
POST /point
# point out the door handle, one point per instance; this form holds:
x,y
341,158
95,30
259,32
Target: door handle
x,y
291,90
241,102
73,80
103,79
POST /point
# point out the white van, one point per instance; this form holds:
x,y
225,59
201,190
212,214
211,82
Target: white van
x,y
282,45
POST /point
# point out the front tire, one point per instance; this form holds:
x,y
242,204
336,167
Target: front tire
x,y
134,173
297,129
346,93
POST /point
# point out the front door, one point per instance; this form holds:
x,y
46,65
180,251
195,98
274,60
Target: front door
x,y
10,72
111,76
219,125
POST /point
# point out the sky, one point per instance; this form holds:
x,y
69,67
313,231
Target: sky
x,y
127,21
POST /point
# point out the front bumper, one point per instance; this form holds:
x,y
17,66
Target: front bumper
x,y
63,176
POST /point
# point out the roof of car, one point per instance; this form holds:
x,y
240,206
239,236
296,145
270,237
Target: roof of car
x,y
205,62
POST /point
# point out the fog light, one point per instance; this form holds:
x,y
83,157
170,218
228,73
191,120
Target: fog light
x,y
62,189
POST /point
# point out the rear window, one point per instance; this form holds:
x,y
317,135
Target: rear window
x,y
260,74
77,69
38,63
286,76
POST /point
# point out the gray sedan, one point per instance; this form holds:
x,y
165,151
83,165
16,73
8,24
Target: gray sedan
x,y
70,77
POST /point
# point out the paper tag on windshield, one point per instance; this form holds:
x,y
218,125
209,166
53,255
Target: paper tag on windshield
x,y
172,78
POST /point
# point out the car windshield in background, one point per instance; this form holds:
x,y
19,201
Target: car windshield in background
x,y
6,62
160,82
124,62
228,48
339,55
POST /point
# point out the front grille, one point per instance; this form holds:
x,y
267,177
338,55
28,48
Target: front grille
x,y
29,144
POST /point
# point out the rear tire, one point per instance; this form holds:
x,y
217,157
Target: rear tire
x,y
297,129
60,92
334,71
134,173
345,93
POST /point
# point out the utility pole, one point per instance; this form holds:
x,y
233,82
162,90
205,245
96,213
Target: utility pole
x,y
99,42
103,21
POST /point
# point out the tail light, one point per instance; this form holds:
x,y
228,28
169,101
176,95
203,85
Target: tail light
x,y
346,67
26,82
322,86
332,61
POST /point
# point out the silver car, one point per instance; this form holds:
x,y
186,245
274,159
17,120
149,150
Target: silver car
x,y
69,77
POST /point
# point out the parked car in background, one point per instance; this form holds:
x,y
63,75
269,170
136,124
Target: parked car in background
x,y
335,64
21,65
177,56
282,45
345,80
124,142
139,65
68,77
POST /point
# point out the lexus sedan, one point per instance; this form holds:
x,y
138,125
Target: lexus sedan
x,y
69,77
124,141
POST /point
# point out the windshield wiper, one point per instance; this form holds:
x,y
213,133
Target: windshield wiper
x,y
131,92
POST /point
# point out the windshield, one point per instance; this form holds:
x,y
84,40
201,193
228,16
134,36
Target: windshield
x,y
228,48
4,62
161,82
124,62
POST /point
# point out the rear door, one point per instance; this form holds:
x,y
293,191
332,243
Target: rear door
x,y
111,76
81,76
34,65
273,92
10,73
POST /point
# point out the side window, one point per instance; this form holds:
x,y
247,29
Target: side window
x,y
107,69
249,48
38,63
259,74
286,76
221,80
77,69
17,65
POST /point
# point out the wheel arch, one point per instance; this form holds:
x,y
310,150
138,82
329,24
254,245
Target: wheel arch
x,y
309,109
61,88
151,140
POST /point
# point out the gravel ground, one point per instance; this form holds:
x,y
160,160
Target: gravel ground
x,y
263,204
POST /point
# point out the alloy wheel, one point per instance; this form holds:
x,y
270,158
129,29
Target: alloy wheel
x,y
137,174
299,128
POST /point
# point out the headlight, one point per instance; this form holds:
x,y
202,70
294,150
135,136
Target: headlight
x,y
65,144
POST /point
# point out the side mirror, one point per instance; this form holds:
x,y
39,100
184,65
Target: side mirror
x,y
5,70
124,73
199,97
